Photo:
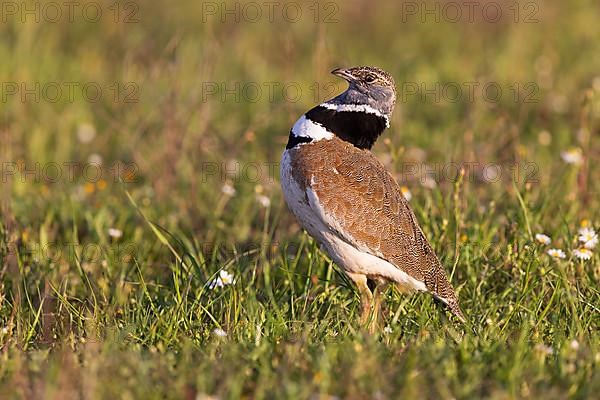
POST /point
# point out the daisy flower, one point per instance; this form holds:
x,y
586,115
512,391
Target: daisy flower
x,y
224,279
219,332
544,138
543,239
588,237
574,345
556,253
572,156
228,190
263,200
583,253
86,133
406,193
115,233
95,159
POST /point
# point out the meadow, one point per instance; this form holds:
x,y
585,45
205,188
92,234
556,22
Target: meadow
x,y
146,250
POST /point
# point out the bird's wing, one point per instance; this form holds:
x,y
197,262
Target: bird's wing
x,y
363,205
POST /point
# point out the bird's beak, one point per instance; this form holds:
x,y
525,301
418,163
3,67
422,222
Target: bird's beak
x,y
342,73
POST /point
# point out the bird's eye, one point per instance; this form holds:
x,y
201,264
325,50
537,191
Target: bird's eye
x,y
370,78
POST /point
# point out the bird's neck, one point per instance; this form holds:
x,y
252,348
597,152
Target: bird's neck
x,y
358,124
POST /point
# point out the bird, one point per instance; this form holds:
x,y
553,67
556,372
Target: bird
x,y
344,197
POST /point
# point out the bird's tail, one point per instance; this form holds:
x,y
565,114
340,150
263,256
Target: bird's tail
x,y
453,306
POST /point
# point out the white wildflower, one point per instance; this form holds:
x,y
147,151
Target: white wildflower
x,y
219,332
572,156
583,253
95,159
588,237
574,345
115,233
86,133
543,239
224,279
228,190
263,200
406,193
556,253
544,138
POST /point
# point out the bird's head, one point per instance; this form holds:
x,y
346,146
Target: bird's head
x,y
370,86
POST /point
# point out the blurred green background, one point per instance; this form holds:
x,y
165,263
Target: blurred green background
x,y
139,144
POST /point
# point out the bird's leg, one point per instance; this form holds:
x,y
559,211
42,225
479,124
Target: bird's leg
x,y
380,287
366,297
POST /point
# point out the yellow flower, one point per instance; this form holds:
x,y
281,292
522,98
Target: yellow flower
x,y
89,188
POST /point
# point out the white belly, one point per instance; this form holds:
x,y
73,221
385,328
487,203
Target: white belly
x,y
305,206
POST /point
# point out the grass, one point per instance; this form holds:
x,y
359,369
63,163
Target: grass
x,y
189,181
